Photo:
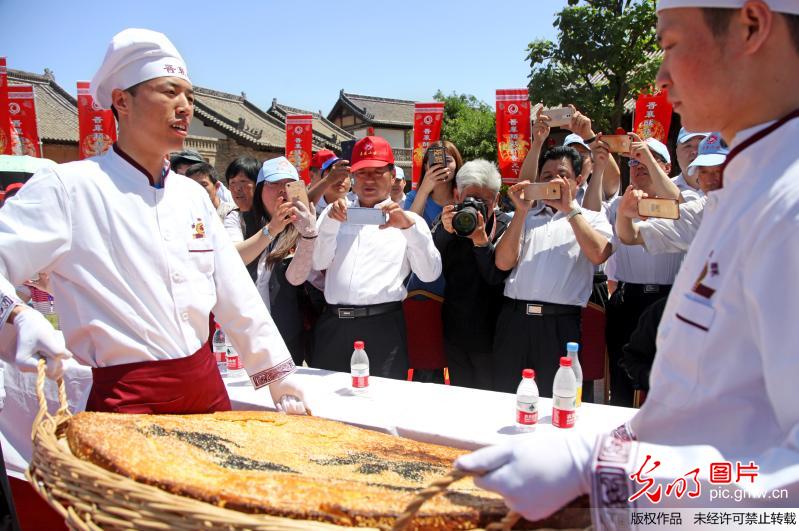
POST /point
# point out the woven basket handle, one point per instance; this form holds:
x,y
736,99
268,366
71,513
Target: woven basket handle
x,y
63,409
437,487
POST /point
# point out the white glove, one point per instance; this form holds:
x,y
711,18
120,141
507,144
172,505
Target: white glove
x,y
538,475
288,396
306,219
36,339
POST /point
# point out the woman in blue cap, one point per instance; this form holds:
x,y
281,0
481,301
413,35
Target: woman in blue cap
x,y
285,247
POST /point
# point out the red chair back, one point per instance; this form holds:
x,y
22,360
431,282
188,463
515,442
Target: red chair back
x,y
594,348
424,329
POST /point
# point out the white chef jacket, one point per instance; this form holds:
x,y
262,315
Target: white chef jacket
x,y
723,384
633,264
135,270
673,235
367,265
552,268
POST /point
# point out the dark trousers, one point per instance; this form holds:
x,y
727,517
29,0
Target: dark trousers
x,y
532,341
384,340
468,368
624,309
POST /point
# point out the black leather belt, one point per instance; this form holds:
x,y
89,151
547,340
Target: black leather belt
x,y
538,309
628,287
353,312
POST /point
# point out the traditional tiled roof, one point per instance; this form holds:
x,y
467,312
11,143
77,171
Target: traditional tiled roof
x,y
238,118
376,111
56,109
326,134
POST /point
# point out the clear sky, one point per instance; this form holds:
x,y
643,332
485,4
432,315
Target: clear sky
x,y
300,52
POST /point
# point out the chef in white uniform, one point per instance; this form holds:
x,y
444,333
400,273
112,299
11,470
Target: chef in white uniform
x,y
137,256
723,382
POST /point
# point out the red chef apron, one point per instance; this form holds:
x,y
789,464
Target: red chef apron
x,y
181,386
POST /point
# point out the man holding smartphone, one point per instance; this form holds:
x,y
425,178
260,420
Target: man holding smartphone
x,y
367,264
550,252
641,278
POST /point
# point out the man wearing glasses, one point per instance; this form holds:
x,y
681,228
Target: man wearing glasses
x,y
641,278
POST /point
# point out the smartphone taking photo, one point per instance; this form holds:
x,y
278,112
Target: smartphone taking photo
x,y
559,117
296,190
659,208
365,216
618,143
536,191
436,155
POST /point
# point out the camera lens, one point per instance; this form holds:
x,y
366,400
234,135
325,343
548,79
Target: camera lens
x,y
465,221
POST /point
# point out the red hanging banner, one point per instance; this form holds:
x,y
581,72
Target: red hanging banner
x,y
299,143
513,132
5,123
22,111
653,116
427,119
97,128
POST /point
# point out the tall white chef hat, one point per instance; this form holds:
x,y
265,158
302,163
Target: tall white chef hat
x,y
135,55
779,6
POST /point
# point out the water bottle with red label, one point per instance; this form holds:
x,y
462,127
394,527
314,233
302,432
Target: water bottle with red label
x,y
564,395
234,365
527,402
359,369
220,350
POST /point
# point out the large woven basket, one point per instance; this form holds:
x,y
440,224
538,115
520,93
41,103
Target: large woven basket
x,y
92,498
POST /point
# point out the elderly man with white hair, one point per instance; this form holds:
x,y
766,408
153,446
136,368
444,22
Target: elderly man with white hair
x,y
473,290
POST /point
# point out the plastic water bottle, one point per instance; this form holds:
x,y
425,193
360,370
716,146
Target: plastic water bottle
x,y
359,369
220,350
564,396
527,402
571,352
232,358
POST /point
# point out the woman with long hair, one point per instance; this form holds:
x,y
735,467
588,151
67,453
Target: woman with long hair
x,y
282,250
436,184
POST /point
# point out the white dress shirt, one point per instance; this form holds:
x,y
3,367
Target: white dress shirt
x,y
232,225
633,264
367,265
135,270
723,384
688,192
322,204
673,235
552,268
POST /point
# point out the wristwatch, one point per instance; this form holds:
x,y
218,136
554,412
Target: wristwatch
x,y
266,232
576,211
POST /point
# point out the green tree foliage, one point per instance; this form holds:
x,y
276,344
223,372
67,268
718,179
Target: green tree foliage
x,y
470,124
606,54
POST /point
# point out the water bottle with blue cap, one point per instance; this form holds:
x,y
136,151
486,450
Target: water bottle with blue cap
x,y
572,349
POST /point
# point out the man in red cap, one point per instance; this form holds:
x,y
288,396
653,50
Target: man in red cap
x,y
317,160
367,265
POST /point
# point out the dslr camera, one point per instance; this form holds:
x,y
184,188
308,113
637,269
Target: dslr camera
x,y
465,220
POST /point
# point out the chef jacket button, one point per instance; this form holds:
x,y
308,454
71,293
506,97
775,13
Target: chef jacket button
x,y
167,235
184,316
177,277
